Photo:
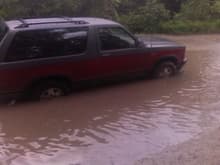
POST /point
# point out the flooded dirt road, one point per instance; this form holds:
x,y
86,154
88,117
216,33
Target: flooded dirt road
x,y
123,124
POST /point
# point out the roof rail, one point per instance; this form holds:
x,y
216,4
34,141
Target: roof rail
x,y
66,20
23,25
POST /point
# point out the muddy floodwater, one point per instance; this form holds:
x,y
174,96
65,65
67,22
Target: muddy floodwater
x,y
121,124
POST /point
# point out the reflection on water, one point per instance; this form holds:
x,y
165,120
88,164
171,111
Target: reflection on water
x,y
119,124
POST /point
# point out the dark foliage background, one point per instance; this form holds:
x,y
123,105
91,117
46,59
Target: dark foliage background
x,y
159,16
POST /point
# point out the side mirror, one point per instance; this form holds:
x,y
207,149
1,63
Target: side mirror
x,y
139,42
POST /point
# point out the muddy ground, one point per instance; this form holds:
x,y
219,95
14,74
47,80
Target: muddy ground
x,y
142,122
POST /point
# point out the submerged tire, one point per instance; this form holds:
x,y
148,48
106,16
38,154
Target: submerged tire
x,y
165,69
49,90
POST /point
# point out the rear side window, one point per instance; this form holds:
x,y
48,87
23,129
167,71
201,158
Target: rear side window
x,y
48,43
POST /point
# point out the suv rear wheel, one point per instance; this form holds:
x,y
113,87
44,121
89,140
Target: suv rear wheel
x,y
165,69
49,90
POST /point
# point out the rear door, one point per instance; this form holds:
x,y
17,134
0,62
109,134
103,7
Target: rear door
x,y
118,52
36,54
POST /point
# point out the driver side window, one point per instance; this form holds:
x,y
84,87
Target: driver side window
x,y
114,38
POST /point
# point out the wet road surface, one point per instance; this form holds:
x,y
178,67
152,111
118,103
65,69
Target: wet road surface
x,y
118,124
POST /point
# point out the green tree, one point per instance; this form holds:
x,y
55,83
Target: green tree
x,y
173,6
36,8
196,10
98,8
127,6
146,18
215,10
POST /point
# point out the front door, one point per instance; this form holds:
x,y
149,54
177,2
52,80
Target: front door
x,y
119,52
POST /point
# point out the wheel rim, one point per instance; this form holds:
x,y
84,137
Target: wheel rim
x,y
51,93
166,71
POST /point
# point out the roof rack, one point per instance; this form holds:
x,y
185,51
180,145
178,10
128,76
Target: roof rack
x,y
23,25
66,20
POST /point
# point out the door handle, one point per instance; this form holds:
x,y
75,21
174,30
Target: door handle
x,y
106,54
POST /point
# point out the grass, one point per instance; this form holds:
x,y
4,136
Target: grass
x,y
190,27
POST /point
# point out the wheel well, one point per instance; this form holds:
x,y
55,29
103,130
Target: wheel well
x,y
62,79
167,59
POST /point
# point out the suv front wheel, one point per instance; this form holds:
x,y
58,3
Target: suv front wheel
x,y
165,69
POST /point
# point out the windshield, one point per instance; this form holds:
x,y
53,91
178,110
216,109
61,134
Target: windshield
x,y
3,29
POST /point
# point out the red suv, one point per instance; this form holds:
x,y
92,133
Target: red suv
x,y
44,57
